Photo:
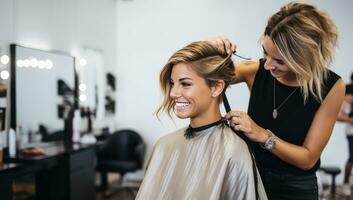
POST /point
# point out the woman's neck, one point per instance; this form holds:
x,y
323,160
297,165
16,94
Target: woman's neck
x,y
206,118
289,81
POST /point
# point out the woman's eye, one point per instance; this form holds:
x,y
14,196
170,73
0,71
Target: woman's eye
x,y
185,84
265,55
171,84
280,62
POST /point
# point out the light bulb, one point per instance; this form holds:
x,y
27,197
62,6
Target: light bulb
x,y
33,62
26,63
48,64
41,64
83,97
19,63
4,59
83,62
4,74
82,87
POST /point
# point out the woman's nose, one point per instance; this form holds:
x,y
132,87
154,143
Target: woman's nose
x,y
269,63
175,92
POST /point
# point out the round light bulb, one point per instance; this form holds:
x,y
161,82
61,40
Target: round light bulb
x,y
26,63
49,64
83,97
83,62
82,87
19,63
41,64
4,59
4,74
33,62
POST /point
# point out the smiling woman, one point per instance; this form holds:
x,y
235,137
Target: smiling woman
x,y
206,160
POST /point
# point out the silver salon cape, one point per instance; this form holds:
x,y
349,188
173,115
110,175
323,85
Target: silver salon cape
x,y
215,164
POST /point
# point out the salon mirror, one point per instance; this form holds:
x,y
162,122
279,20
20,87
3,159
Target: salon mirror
x,y
42,94
91,87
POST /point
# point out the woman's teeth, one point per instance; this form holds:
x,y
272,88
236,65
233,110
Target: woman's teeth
x,y
182,105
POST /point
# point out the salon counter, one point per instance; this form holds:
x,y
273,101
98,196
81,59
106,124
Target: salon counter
x,y
66,172
7,173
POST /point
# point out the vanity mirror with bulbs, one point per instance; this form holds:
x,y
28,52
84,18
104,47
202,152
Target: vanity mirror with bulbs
x,y
47,85
42,94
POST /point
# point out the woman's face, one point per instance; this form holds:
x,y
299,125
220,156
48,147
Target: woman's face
x,y
190,93
274,61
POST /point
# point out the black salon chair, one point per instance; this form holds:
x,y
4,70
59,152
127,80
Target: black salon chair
x,y
333,171
123,152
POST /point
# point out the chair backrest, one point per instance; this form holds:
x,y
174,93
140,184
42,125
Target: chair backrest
x,y
124,145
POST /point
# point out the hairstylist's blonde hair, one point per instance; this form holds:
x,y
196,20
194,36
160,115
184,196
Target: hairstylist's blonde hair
x,y
306,38
206,60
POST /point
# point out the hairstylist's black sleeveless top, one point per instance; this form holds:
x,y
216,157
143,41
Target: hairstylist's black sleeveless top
x,y
293,121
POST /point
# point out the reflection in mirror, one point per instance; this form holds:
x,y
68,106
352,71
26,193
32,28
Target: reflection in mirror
x,y
42,94
110,94
3,94
91,87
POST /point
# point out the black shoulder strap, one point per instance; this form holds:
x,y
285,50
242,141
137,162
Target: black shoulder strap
x,y
227,107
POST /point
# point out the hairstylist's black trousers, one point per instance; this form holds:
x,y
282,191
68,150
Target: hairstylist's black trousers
x,y
285,186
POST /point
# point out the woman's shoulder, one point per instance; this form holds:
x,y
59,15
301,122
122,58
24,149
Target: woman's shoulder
x,y
332,78
171,137
333,82
235,146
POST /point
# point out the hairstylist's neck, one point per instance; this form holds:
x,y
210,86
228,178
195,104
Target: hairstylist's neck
x,y
289,80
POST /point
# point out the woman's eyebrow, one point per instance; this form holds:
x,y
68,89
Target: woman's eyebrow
x,y
185,78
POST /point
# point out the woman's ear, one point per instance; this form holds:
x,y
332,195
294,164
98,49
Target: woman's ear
x,y
217,88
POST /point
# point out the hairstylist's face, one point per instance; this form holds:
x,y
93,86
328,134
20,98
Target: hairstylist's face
x,y
274,61
191,95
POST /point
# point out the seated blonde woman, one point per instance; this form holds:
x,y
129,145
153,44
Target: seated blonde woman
x,y
205,160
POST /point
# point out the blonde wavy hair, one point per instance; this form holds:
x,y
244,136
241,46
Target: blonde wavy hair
x,y
306,38
207,61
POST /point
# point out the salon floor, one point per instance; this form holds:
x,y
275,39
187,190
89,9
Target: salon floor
x,y
126,195
340,194
25,191
121,195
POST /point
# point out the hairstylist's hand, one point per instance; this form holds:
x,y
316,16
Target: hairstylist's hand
x,y
241,121
223,44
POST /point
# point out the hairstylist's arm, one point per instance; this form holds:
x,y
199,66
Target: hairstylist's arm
x,y
304,156
244,71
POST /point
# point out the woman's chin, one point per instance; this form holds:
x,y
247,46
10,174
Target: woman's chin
x,y
182,115
274,74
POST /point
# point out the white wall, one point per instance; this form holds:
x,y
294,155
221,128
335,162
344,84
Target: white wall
x,y
65,25
149,31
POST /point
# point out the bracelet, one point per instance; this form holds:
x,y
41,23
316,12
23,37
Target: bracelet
x,y
270,143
